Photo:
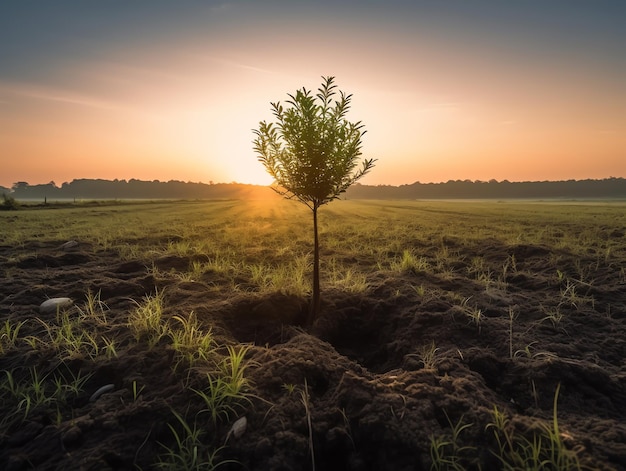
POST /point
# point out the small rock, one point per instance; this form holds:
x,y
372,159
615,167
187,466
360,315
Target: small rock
x,y
70,244
238,428
104,389
51,305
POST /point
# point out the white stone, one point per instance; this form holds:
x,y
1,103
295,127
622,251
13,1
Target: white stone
x,y
70,244
52,304
238,428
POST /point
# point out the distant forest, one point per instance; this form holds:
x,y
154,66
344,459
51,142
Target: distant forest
x,y
90,189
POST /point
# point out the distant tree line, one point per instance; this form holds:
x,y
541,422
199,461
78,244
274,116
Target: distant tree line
x,y
467,189
133,189
453,189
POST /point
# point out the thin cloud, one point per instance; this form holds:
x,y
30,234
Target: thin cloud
x,y
55,95
69,97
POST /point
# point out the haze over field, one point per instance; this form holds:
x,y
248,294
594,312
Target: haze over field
x,y
447,90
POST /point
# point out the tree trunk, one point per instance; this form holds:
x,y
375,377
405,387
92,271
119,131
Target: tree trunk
x,y
314,308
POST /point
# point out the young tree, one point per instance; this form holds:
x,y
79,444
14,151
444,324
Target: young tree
x,y
312,152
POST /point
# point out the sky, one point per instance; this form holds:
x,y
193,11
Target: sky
x,y
528,90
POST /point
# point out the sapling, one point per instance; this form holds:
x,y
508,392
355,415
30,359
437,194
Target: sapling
x,y
312,152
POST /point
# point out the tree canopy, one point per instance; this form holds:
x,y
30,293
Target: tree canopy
x,y
312,151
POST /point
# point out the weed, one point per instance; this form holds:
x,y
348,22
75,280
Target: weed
x,y
346,423
218,264
534,392
544,450
527,352
555,316
154,270
189,452
109,348
227,390
477,267
146,320
180,248
510,263
291,278
419,290
219,401
440,461
136,391
399,415
9,335
570,296
68,337
427,354
131,252
94,308
35,389
447,453
191,343
305,399
474,314
233,368
75,384
346,279
409,262
197,269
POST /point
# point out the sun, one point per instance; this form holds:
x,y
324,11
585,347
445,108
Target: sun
x,y
255,174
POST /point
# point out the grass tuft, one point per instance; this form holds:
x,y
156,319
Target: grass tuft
x,y
146,320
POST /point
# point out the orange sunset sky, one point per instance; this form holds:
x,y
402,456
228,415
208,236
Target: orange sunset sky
x,y
480,90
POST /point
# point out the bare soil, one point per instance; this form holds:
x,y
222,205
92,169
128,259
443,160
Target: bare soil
x,y
373,405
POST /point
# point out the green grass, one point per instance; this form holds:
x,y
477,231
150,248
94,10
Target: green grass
x,y
409,262
146,320
25,391
9,335
267,244
428,355
543,450
70,338
539,450
384,249
191,343
226,390
190,451
447,452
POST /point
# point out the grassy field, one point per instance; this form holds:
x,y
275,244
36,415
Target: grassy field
x,y
453,335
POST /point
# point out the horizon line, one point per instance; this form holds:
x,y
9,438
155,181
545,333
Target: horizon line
x,y
417,182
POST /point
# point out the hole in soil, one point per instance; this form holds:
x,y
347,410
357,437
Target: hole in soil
x,y
267,320
491,368
357,331
318,384
525,251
